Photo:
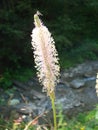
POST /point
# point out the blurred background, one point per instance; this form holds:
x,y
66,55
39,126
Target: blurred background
x,y
73,24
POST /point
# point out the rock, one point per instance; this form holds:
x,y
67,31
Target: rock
x,y
25,108
77,83
13,102
87,69
66,98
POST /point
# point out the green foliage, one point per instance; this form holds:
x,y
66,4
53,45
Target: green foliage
x,y
86,121
5,80
9,125
23,74
15,43
61,121
83,121
88,50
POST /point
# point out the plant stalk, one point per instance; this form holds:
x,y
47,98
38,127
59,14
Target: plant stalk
x,y
52,97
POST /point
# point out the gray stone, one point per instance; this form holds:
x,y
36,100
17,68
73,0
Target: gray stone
x,y
77,83
25,108
13,102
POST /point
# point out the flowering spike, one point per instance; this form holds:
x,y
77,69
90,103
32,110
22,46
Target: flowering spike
x,y
96,87
45,56
37,20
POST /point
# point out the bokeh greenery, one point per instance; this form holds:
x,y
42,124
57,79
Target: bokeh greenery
x,y
73,25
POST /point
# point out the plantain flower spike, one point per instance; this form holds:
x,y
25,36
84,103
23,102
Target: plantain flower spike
x,y
96,87
45,56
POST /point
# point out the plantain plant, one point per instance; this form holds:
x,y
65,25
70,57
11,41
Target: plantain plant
x,y
46,60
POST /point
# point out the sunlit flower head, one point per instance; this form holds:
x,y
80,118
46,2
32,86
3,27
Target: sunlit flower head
x,y
45,56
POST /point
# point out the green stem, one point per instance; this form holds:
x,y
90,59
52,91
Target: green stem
x,y
52,97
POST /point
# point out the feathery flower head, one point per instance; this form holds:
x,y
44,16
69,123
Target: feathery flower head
x,y
45,56
96,87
